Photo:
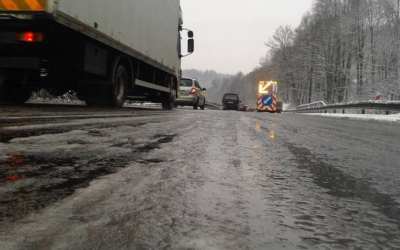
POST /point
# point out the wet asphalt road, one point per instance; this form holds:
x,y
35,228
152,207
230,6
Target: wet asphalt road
x,y
80,178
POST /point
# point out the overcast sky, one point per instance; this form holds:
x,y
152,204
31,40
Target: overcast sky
x,y
230,34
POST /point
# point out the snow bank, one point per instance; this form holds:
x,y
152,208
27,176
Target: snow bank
x,y
286,106
386,118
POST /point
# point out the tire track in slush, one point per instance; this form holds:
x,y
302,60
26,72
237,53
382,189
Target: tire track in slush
x,y
342,185
57,127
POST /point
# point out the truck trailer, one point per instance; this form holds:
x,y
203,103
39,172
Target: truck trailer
x,y
105,51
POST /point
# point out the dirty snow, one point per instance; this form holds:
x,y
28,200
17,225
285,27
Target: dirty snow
x,y
386,118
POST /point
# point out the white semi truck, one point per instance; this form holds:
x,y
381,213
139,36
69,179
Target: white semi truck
x,y
106,51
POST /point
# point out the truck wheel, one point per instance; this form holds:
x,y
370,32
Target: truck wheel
x,y
168,103
114,95
119,86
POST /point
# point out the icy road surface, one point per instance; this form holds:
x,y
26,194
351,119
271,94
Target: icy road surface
x,y
79,178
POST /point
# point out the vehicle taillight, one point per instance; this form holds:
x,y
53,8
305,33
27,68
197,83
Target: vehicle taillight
x,y
30,37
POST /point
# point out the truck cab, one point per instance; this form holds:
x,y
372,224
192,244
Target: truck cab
x,y
267,97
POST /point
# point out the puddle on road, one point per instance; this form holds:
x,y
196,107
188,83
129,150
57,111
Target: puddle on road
x,y
32,182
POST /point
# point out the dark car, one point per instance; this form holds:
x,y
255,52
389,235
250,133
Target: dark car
x,y
231,101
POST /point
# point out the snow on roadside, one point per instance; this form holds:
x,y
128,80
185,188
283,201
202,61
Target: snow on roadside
x,y
286,106
385,118
70,98
43,97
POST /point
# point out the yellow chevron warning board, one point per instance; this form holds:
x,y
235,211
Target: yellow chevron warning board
x,y
22,5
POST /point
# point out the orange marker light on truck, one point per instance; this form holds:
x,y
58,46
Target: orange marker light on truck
x,y
30,37
23,5
9,5
34,4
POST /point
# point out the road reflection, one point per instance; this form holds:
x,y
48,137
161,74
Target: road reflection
x,y
271,133
258,126
14,160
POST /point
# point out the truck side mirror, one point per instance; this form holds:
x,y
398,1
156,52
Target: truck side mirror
x,y
191,45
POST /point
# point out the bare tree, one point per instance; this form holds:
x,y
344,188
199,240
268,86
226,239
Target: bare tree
x,y
343,50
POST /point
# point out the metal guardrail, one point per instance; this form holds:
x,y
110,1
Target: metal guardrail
x,y
311,105
388,107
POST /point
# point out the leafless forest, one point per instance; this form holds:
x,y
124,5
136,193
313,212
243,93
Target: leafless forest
x,y
343,51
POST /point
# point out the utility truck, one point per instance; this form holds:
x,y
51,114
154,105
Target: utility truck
x,y
267,97
106,51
